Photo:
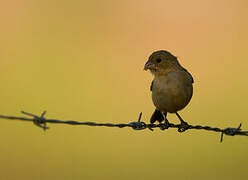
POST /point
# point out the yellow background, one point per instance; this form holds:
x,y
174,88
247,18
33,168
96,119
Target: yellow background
x,y
83,60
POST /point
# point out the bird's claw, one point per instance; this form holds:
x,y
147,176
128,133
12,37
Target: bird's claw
x,y
164,126
183,127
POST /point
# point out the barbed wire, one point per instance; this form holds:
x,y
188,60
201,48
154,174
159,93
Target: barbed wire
x,y
41,122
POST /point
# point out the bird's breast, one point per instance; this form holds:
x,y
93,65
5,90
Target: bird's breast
x,y
171,94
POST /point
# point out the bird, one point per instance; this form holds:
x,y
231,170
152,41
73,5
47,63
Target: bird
x,y
172,86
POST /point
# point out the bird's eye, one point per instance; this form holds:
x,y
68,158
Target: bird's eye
x,y
158,60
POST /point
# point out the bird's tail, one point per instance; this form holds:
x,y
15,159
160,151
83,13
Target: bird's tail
x,y
156,116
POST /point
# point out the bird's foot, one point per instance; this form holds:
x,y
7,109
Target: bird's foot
x,y
164,125
183,126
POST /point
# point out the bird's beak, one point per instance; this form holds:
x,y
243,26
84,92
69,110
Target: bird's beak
x,y
149,65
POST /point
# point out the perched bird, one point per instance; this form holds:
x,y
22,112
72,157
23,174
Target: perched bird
x,y
171,87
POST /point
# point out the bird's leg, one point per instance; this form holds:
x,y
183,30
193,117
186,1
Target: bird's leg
x,y
166,122
183,126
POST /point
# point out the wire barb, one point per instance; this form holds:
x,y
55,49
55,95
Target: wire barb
x,y
38,121
232,132
138,125
41,122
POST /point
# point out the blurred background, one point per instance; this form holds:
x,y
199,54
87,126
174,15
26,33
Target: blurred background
x,y
83,60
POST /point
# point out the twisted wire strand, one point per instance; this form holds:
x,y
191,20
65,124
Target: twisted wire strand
x,y
41,122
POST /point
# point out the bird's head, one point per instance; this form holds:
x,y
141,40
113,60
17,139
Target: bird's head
x,y
160,62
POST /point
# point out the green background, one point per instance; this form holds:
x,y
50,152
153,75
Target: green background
x,y
83,60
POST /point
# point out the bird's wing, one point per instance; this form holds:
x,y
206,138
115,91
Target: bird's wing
x,y
151,86
190,76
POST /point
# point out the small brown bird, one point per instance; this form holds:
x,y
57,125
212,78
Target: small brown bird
x,y
171,87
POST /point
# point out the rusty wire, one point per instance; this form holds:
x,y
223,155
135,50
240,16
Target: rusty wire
x,y
41,122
